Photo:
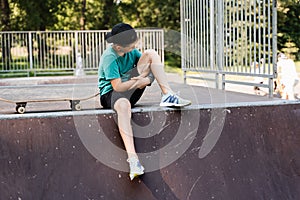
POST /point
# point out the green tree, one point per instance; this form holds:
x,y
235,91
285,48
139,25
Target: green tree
x,y
5,15
38,14
289,25
104,16
71,15
5,26
87,15
159,14
152,13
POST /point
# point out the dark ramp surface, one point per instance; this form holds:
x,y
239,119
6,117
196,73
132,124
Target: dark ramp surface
x,y
233,152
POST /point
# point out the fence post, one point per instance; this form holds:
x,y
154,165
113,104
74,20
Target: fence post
x,y
212,38
30,51
76,43
274,36
220,39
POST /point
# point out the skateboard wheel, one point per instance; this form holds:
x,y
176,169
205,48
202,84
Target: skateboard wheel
x,y
77,107
21,109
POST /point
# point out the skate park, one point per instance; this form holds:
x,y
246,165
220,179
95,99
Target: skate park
x,y
225,145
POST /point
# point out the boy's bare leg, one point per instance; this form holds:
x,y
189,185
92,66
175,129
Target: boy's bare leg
x,y
123,108
150,60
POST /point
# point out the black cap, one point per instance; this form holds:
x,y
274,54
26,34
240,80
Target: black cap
x,y
121,34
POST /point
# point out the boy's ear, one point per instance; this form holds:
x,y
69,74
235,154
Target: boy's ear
x,y
119,48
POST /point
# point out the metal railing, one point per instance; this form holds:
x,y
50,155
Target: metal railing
x,y
59,51
230,37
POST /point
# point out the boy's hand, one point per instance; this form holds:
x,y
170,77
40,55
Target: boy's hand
x,y
140,83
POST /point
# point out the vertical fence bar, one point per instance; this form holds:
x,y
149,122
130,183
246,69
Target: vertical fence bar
x,y
212,38
30,51
269,38
274,41
182,37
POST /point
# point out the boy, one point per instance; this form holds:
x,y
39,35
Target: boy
x,y
124,73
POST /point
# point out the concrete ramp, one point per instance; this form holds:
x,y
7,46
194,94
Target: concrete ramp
x,y
237,152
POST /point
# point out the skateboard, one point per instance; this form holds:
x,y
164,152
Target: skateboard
x,y
74,102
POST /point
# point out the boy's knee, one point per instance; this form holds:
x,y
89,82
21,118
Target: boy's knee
x,y
151,52
122,105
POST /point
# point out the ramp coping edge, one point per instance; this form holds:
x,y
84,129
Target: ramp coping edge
x,y
147,108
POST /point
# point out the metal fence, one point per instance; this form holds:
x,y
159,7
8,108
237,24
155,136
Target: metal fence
x,y
230,37
60,51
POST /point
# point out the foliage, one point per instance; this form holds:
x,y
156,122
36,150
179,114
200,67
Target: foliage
x,y
289,26
24,15
4,15
35,15
152,13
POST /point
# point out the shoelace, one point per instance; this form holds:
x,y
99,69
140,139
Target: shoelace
x,y
172,99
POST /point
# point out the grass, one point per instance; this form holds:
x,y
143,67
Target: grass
x,y
32,73
170,69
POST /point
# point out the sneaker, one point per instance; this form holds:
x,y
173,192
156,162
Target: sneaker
x,y
172,100
136,168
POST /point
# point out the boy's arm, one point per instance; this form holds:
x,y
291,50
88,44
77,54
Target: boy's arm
x,y
136,82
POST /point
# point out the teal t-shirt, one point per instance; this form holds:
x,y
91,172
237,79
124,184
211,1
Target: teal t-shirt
x,y
113,66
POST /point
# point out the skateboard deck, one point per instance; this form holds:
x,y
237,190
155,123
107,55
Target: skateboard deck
x,y
74,102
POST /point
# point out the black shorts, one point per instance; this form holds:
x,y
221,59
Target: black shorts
x,y
109,99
